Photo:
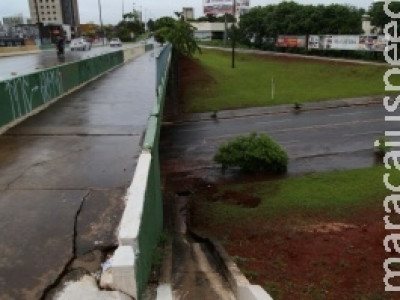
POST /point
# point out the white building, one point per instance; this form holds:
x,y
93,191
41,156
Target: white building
x,y
206,31
188,13
55,12
367,27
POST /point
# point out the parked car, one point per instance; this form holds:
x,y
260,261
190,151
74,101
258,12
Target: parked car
x,y
115,42
80,44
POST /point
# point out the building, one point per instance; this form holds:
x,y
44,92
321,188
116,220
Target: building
x,y
55,12
206,31
188,13
15,20
367,27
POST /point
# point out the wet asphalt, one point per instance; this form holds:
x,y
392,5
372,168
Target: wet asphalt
x,y
315,140
63,177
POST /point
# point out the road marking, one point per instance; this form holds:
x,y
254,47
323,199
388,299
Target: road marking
x,y
392,118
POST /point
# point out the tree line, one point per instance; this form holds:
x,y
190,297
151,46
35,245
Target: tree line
x,y
290,18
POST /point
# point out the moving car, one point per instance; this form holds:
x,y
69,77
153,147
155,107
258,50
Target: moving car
x,y
80,44
115,42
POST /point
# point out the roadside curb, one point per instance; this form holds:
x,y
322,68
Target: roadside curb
x,y
280,109
240,285
20,53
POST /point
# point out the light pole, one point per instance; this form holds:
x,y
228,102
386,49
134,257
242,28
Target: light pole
x,y
101,23
233,33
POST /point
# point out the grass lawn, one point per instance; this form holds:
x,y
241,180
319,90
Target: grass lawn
x,y
209,82
311,237
335,194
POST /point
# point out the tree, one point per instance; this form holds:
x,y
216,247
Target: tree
x,y
291,18
179,33
164,22
131,24
159,36
151,25
379,18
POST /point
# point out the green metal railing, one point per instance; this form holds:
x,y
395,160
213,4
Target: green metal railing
x,y
163,64
23,94
152,219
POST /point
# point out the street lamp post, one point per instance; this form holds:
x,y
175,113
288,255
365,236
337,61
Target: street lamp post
x,y
233,33
101,23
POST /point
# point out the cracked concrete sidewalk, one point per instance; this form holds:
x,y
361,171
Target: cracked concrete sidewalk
x,y
63,177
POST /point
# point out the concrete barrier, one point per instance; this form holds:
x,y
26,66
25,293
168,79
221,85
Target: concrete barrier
x,y
142,220
20,50
252,292
133,52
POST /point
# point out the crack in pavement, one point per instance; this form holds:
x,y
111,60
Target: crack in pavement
x,y
65,270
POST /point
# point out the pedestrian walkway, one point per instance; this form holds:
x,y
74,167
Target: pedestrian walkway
x,y
63,176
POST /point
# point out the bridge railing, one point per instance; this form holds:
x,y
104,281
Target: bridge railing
x,y
25,95
162,64
142,221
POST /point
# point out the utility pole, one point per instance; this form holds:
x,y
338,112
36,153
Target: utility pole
x,y
225,31
38,22
101,23
233,28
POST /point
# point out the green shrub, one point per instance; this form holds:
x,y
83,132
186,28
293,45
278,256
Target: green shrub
x,y
254,153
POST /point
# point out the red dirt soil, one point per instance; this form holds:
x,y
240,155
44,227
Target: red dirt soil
x,y
324,258
330,259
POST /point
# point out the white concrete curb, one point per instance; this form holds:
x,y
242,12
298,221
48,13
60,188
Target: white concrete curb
x,y
241,287
132,217
252,292
123,271
123,263
164,292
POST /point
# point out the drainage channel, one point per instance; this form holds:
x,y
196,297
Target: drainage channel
x,y
194,272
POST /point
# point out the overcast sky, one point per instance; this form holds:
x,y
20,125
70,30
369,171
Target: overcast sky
x,y
112,9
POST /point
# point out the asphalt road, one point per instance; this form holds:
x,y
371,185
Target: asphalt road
x,y
316,141
24,64
63,178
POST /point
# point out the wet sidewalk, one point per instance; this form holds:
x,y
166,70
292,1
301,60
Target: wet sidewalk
x,y
63,176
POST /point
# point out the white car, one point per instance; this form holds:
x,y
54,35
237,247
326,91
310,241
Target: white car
x,y
115,42
80,44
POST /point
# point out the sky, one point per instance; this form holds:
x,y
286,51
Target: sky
x,y
154,9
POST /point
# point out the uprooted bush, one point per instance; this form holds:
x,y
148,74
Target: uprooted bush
x,y
252,153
